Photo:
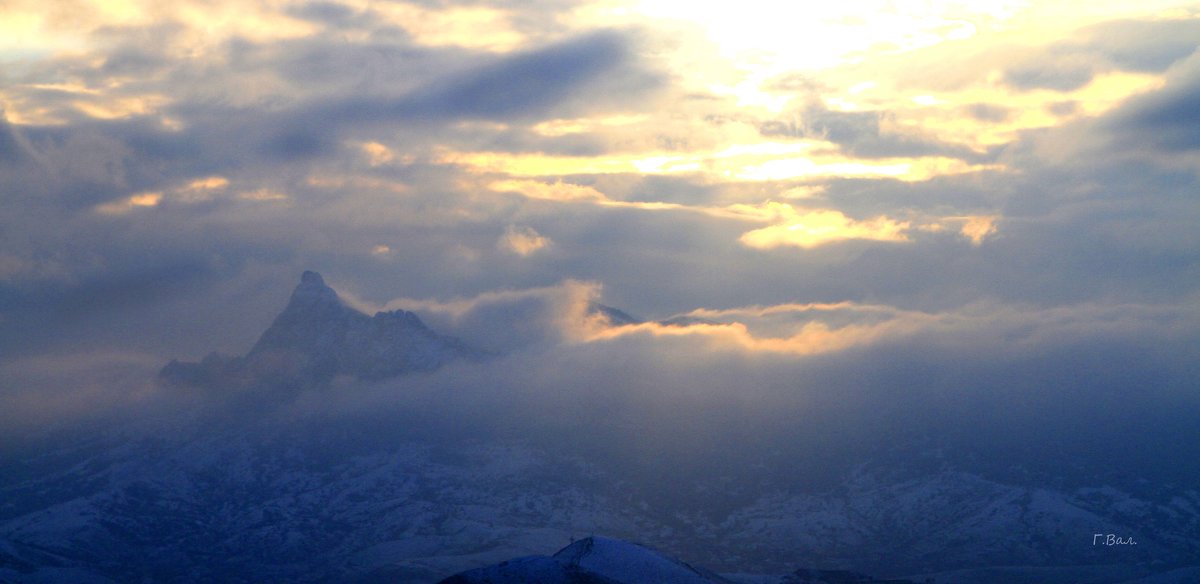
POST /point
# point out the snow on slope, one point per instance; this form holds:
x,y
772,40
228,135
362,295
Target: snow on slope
x,y
628,562
592,560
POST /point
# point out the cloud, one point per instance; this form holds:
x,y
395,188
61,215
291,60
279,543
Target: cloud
x,y
866,134
808,229
477,27
556,191
50,393
1061,73
1143,46
1167,119
974,228
127,205
829,385
792,225
594,72
986,112
504,321
523,241
978,228
811,339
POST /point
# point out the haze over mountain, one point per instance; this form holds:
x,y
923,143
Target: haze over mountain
x,y
317,338
425,461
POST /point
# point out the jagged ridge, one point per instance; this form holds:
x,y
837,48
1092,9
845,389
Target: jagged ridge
x,y
318,337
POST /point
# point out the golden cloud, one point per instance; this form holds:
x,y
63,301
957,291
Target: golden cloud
x,y
522,241
809,229
810,338
126,205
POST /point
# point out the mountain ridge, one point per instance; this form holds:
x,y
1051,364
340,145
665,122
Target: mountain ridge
x,y
316,338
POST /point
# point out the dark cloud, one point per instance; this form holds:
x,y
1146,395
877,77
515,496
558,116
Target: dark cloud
x,y
541,84
1167,119
986,112
1125,45
325,12
323,66
133,53
1063,108
1144,46
861,133
1060,72
12,151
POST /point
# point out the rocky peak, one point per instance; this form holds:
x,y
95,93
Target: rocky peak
x,y
312,322
318,337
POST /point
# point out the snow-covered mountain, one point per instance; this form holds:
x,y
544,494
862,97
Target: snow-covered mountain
x,y
409,493
356,502
317,337
598,560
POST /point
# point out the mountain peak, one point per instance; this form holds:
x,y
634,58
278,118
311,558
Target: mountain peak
x,y
311,277
593,560
312,292
317,337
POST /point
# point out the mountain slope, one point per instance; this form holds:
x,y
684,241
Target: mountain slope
x,y
598,560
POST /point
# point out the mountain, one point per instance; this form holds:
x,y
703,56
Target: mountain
x,y
598,560
318,337
378,500
603,560
398,486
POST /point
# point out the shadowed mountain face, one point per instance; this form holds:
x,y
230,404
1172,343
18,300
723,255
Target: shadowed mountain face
x,y
317,338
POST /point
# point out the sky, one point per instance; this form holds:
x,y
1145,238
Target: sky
x,y
961,205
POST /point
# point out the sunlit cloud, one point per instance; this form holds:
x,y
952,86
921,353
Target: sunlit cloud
x,y
523,241
123,206
1029,109
819,36
587,125
208,183
477,27
201,189
790,225
808,229
813,338
751,162
190,192
556,191
377,154
211,22
974,228
262,194
759,311
121,107
356,182
825,328
978,228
